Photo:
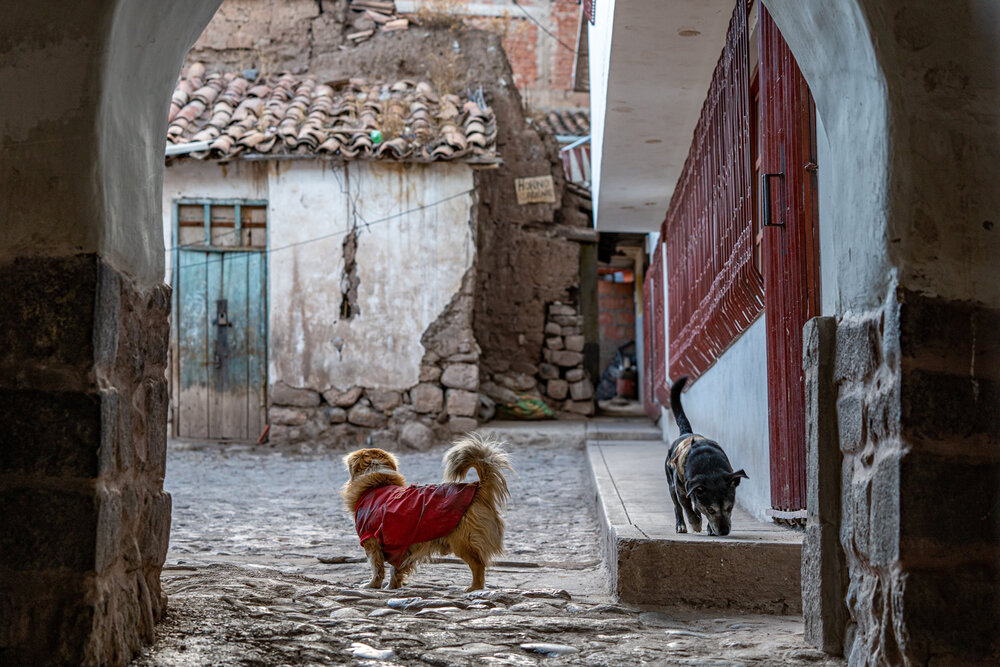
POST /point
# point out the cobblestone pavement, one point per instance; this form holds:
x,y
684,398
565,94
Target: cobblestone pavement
x,y
264,568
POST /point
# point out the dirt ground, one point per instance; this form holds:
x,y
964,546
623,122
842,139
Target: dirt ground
x,y
264,568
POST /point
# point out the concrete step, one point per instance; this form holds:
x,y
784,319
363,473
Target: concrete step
x,y
756,568
605,429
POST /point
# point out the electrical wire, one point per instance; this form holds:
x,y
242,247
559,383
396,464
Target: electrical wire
x,y
341,232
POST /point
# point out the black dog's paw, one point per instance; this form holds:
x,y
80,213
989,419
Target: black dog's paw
x,y
681,528
696,527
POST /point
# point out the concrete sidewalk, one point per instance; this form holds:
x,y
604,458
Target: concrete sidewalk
x,y
757,567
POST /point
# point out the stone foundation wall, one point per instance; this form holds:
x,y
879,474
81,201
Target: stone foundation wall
x,y
918,405
84,520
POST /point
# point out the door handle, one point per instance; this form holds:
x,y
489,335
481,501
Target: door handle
x,y
765,185
222,323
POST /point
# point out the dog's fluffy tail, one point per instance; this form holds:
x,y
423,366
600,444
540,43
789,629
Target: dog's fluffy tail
x,y
486,455
675,405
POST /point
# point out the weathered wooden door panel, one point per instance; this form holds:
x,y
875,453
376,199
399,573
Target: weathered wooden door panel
x,y
788,196
256,342
221,344
192,344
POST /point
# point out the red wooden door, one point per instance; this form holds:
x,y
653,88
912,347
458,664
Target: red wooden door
x,y
653,335
789,205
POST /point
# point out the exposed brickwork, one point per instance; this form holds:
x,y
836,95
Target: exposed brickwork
x,y
565,25
918,420
616,317
84,397
520,42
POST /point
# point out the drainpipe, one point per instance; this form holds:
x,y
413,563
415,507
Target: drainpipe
x,y
184,149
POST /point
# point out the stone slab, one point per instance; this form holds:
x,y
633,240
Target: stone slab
x,y
756,568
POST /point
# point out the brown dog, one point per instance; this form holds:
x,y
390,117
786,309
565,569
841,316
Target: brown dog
x,y
407,525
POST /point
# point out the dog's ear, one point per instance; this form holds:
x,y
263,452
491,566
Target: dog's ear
x,y
734,478
355,461
692,486
391,460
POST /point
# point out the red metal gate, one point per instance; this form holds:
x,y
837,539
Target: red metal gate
x,y
715,290
789,205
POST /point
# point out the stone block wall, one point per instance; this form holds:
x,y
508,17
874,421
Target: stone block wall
x,y
918,409
567,385
84,520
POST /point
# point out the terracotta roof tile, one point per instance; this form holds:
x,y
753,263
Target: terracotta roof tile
x,y
289,115
568,122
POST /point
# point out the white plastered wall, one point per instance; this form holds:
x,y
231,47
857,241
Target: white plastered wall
x,y
411,257
729,405
86,90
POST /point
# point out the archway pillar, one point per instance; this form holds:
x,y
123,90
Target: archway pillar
x,y
84,520
910,105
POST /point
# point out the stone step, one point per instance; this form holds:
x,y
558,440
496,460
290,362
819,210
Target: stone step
x,y
756,568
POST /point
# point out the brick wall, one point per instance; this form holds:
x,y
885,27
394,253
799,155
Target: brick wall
x,y
566,25
616,317
520,41
542,63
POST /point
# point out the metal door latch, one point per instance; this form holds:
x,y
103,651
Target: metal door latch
x,y
221,339
765,186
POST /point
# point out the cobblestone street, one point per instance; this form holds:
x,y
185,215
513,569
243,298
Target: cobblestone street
x,y
264,568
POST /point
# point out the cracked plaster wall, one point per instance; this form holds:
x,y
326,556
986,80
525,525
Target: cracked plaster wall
x,y
408,266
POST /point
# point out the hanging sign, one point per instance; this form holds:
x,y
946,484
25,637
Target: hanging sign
x,y
536,190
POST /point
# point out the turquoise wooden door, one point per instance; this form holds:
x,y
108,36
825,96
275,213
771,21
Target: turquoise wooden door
x,y
221,296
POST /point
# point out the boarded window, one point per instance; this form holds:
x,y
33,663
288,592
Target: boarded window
x,y
214,225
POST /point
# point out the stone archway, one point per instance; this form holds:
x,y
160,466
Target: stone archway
x,y
909,101
83,517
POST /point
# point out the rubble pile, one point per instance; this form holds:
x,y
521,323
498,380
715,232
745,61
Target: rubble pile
x,y
371,16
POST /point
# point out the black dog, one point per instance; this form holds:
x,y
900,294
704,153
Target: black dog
x,y
700,477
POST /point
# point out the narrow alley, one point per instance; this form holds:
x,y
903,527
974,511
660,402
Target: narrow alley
x,y
721,273
264,568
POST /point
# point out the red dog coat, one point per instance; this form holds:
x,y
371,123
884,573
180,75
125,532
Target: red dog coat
x,y
401,517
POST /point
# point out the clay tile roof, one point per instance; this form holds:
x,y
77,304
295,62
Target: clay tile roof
x,y
286,115
568,122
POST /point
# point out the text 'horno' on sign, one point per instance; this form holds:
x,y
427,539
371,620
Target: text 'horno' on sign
x,y
536,190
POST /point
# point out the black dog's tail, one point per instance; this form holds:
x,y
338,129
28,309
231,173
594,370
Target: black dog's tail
x,y
675,405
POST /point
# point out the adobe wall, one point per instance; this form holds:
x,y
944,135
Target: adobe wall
x,y
910,104
312,35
